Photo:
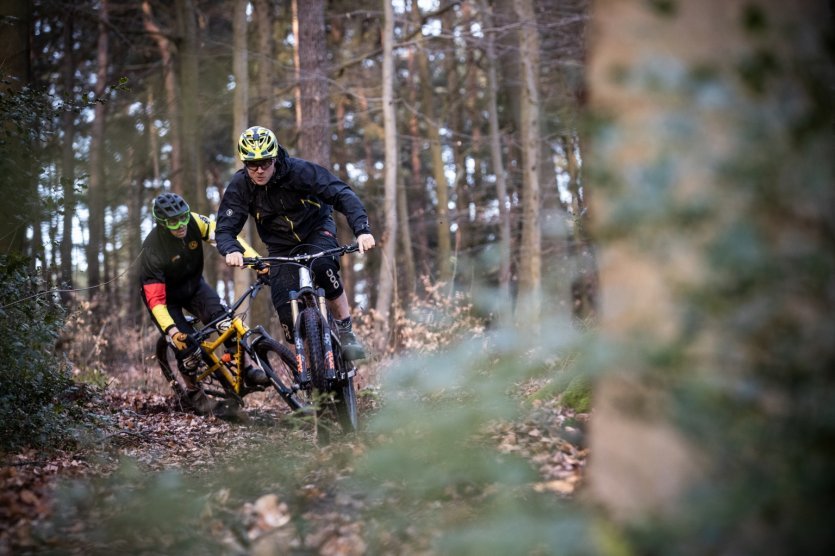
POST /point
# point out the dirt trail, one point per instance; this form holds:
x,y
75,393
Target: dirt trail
x,y
147,426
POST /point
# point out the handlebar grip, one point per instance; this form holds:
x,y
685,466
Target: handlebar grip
x,y
352,248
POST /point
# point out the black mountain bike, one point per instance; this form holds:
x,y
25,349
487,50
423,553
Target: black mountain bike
x,y
324,377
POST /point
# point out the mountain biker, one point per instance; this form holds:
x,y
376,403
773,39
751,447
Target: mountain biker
x,y
171,277
292,201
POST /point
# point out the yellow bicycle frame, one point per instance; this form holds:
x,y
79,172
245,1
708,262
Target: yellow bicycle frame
x,y
236,328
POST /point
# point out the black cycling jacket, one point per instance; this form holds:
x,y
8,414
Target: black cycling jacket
x,y
171,269
297,201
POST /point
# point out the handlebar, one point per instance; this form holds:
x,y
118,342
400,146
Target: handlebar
x,y
261,262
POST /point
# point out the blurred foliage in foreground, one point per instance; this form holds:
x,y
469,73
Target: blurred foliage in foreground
x,y
715,215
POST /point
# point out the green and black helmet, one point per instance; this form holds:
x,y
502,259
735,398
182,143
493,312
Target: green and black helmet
x,y
171,210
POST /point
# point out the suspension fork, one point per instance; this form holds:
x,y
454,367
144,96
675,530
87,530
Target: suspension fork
x,y
301,360
330,367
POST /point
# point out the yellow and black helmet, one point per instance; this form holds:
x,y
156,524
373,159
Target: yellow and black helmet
x,y
257,143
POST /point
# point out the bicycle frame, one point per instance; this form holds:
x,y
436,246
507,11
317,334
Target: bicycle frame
x,y
215,363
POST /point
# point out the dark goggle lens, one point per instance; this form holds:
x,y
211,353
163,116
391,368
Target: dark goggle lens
x,y
177,222
257,164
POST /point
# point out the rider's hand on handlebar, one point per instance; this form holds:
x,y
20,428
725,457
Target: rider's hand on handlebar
x,y
179,339
365,242
235,259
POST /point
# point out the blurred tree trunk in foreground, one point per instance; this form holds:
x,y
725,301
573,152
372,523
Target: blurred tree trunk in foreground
x,y
712,165
530,264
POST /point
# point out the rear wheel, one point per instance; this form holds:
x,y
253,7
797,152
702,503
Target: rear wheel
x,y
168,365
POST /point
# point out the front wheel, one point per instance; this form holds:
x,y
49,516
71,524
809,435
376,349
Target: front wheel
x,y
345,396
278,362
345,405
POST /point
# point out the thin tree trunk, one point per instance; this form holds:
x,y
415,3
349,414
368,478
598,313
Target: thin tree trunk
x,y
68,158
387,281
240,111
444,249
153,136
530,265
343,231
166,49
134,239
453,104
194,187
407,260
496,158
262,105
418,201
95,192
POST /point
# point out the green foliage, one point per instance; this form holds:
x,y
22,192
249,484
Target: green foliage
x,y
33,377
435,468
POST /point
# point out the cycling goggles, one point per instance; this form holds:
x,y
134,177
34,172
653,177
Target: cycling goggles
x,y
177,221
258,164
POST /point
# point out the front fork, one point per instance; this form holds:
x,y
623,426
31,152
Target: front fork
x,y
301,360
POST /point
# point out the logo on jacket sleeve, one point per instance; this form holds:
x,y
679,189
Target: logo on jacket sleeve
x,y
193,245
229,212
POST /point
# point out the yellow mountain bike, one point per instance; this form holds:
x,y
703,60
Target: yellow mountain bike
x,y
221,370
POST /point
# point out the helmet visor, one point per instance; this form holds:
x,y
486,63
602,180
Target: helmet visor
x,y
176,222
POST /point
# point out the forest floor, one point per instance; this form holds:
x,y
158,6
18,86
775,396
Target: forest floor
x,y
77,501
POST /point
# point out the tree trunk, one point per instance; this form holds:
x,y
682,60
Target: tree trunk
x,y
194,181
240,120
405,287
314,126
343,231
453,107
95,193
496,158
387,281
135,201
262,311
444,244
68,158
166,50
530,265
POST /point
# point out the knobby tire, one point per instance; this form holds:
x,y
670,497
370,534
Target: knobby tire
x,y
168,365
278,362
